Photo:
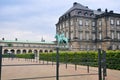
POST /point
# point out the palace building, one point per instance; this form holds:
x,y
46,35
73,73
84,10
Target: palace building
x,y
89,29
23,47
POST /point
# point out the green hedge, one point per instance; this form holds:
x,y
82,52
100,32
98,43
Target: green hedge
x,y
82,58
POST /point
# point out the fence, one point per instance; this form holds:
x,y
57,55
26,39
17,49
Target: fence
x,y
86,59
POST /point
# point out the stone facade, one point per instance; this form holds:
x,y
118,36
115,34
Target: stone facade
x,y
23,47
89,29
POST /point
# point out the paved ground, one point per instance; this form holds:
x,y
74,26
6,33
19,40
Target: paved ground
x,y
29,70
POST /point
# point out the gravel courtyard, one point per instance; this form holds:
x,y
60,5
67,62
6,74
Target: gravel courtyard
x,y
20,69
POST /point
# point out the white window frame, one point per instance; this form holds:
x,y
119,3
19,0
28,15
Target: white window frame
x,y
80,22
72,35
87,36
118,35
100,36
67,23
63,25
86,23
71,22
93,36
100,23
67,34
93,23
111,21
81,34
118,22
112,34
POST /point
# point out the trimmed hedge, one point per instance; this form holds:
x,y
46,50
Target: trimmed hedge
x,y
80,58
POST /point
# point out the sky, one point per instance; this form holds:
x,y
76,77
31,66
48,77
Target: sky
x,y
35,19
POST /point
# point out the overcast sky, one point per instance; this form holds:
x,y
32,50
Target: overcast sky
x,y
33,19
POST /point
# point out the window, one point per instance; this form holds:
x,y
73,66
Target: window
x,y
86,22
93,36
80,22
71,22
100,23
88,47
79,13
63,25
118,22
67,35
111,21
60,27
87,36
66,23
112,34
100,36
81,35
93,28
118,35
72,35
86,14
93,23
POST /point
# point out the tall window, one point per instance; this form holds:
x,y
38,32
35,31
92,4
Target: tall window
x,y
93,36
72,35
112,34
111,21
86,23
81,35
67,23
93,23
100,23
118,22
87,36
71,22
63,25
67,34
100,36
80,22
118,35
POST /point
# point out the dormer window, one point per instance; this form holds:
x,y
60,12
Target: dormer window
x,y
91,14
79,13
85,13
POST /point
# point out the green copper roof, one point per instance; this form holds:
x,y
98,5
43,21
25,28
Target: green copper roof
x,y
27,41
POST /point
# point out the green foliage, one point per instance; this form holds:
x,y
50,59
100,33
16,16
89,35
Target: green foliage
x,y
80,58
27,56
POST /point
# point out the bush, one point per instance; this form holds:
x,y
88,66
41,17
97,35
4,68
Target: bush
x,y
80,58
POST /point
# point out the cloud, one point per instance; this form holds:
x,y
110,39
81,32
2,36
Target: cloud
x,y
34,19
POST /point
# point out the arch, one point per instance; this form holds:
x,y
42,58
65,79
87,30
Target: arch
x,y
12,51
46,51
40,51
35,51
24,51
18,51
30,51
51,50
5,51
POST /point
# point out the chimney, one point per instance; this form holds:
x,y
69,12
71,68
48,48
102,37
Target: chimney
x,y
106,10
99,9
75,3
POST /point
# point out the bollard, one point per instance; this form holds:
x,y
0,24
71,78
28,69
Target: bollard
x,y
57,64
99,65
0,61
104,64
